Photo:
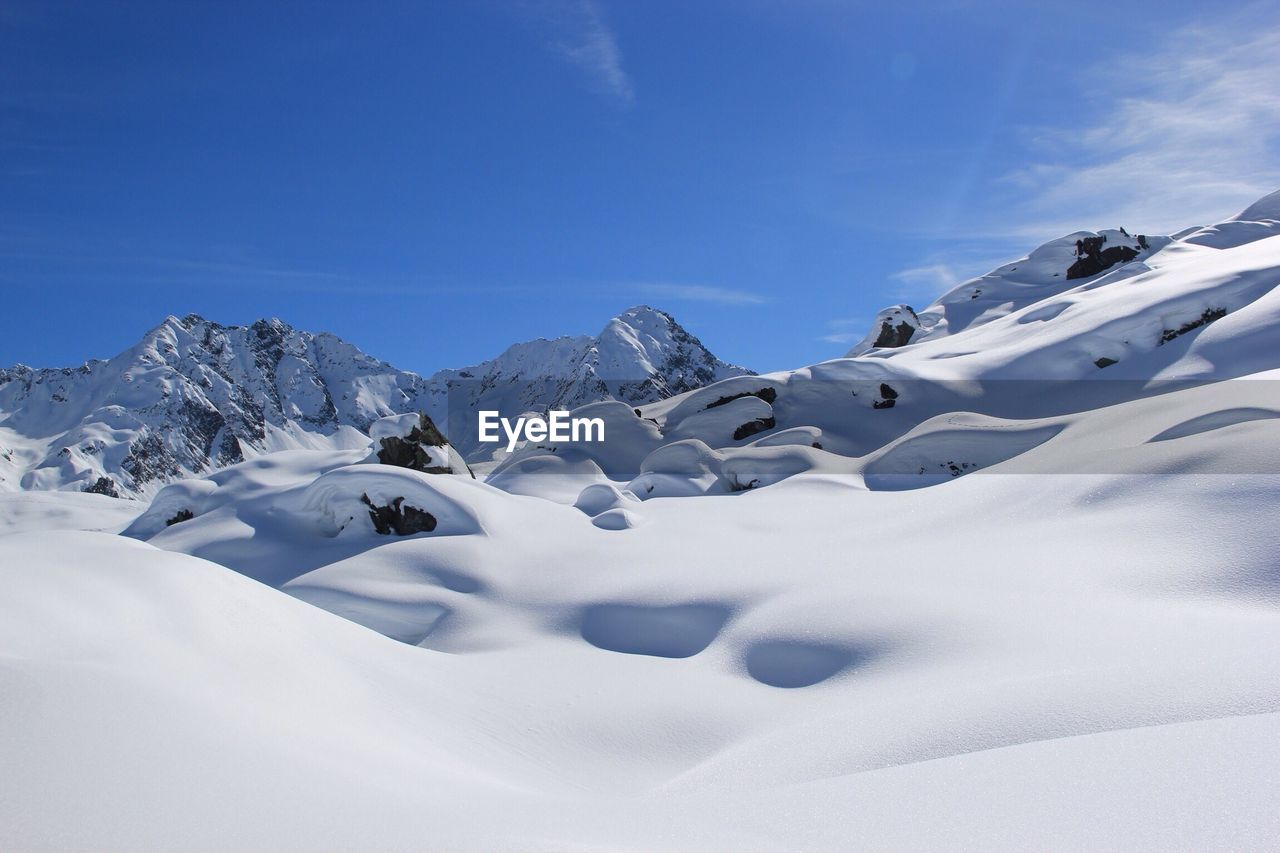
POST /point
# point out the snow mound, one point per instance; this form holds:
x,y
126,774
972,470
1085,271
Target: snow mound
x,y
684,637
681,468
601,497
22,512
944,448
345,501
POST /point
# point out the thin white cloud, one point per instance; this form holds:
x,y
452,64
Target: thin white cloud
x,y
921,285
588,42
1185,134
845,330
702,293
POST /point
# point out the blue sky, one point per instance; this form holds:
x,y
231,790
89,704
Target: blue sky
x,y
434,181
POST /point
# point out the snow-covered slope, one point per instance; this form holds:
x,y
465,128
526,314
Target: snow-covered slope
x,y
1022,347
1053,268
814,665
194,396
1009,585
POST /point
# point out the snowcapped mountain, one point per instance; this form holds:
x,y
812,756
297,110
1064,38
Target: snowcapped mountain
x,y
986,374
641,356
194,395
784,598
1029,547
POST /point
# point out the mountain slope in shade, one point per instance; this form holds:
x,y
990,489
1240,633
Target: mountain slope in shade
x,y
193,396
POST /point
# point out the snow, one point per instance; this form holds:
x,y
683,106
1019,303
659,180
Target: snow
x,y
22,512
971,592
193,396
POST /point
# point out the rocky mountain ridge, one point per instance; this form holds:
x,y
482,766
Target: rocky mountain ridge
x,y
194,395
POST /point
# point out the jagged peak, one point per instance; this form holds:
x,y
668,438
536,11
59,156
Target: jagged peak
x,y
172,324
639,316
192,321
274,323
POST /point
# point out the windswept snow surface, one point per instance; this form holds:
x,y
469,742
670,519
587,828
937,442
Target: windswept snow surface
x,y
976,591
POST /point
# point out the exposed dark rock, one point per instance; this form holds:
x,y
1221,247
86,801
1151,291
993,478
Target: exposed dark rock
x,y
229,451
398,518
769,395
752,427
103,486
892,327
149,460
888,398
1092,259
1209,315
1105,362
410,451
179,517
893,335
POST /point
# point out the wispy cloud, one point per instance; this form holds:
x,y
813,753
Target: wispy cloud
x,y
1184,134
586,41
200,273
921,285
701,293
845,330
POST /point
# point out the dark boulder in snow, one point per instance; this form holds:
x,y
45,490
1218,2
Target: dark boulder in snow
x,y
1209,316
888,398
750,428
893,327
399,518
179,517
413,441
1092,259
103,486
897,335
729,421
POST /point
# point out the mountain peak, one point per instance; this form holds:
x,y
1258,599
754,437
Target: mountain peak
x,y
643,318
194,395
643,312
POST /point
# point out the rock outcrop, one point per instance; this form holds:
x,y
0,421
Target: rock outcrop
x,y
1092,258
892,328
413,441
